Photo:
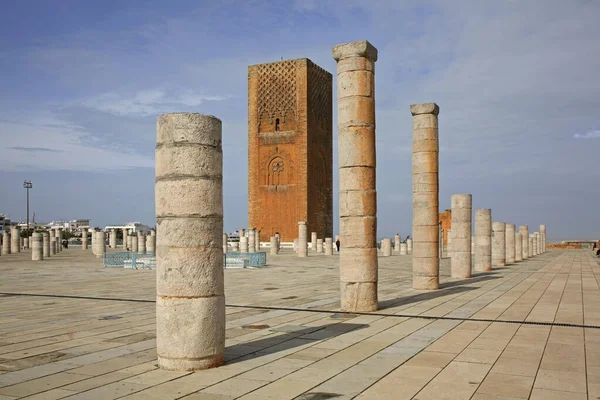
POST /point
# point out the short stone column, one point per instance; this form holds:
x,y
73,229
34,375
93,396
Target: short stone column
x,y
37,251
397,240
243,244
498,244
460,260
46,243
15,235
151,242
302,239
295,244
141,243
543,237
524,231
357,177
386,247
537,246
84,239
235,247
100,244
328,246
425,168
319,245
124,234
409,246
190,306
113,239
518,247
403,249
510,243
58,236
483,239
530,248
5,243
273,249
256,240
134,243
92,238
313,241
224,243
53,245
21,243
251,241
129,241
26,243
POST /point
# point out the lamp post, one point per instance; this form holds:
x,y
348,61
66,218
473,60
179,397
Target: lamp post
x,y
27,185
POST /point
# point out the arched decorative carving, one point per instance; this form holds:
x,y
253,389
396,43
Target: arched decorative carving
x,y
277,173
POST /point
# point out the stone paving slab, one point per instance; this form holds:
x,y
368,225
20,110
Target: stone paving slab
x,y
72,329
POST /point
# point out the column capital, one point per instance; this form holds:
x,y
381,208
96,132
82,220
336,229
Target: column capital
x,y
361,48
424,108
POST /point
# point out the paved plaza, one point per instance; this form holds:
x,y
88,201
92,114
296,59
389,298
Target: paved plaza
x,y
70,328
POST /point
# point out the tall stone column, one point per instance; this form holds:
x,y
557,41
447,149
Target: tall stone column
x,y
151,242
53,245
409,244
524,231
319,245
224,243
535,244
302,239
37,251
46,243
530,248
425,151
15,235
440,240
538,247
357,181
543,237
397,240
6,243
273,249
243,244
483,239
100,244
251,240
498,244
190,306
113,239
460,261
518,247
141,243
84,239
257,240
328,246
129,241
134,243
510,243
386,247
403,249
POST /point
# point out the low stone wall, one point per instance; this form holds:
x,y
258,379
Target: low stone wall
x,y
564,246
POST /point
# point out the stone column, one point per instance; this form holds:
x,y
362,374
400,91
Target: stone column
x,y
46,243
319,245
498,244
535,244
483,239
6,243
440,241
472,245
151,242
386,247
403,249
243,244
397,240
357,164
543,235
538,246
530,248
141,243
37,252
460,261
224,243
251,241
510,243
257,240
328,246
409,245
302,239
235,247
26,243
425,149
15,235
134,243
313,241
518,247
84,239
58,236
92,238
100,244
190,306
524,231
21,243
449,243
53,244
273,250
129,241
113,239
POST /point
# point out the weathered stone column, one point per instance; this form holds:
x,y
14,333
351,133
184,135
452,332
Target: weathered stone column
x,y
397,240
243,244
84,239
134,243
100,244
460,261
403,249
92,238
449,243
386,247
518,247
235,247
15,235
328,246
124,234
46,243
409,246
6,243
319,245
53,245
224,243
273,249
21,243
530,249
537,247
425,150
37,251
141,243
357,164
26,243
129,242
483,239
251,240
498,244
302,239
151,242
113,239
524,231
257,240
190,307
313,241
510,243
543,235
58,236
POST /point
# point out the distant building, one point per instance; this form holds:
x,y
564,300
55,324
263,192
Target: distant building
x,y
132,226
4,224
75,225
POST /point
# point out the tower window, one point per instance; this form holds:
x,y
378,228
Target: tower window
x,y
277,125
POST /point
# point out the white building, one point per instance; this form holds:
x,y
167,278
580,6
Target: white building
x,y
4,224
75,225
132,226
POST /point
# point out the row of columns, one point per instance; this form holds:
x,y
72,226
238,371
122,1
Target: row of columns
x,y
317,245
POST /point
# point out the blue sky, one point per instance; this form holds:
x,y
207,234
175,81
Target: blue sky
x,y
82,82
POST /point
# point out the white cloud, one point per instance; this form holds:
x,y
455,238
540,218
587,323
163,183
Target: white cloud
x,y
588,135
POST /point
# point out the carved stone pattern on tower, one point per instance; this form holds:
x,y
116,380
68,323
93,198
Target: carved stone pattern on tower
x,y
276,90
320,95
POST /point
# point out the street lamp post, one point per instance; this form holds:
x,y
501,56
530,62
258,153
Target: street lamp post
x,y
27,185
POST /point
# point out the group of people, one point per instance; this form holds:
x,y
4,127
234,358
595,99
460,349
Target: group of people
x,y
596,249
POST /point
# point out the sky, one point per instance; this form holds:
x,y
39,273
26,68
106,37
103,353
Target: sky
x,y
82,83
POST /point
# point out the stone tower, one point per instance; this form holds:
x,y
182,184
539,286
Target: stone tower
x,y
290,149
